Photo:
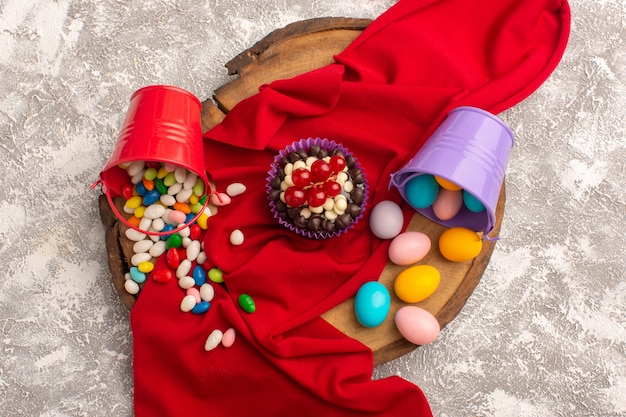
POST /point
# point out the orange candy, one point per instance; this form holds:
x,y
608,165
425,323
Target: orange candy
x,y
182,207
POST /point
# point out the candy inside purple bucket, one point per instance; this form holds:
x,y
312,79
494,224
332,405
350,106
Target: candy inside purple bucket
x,y
471,149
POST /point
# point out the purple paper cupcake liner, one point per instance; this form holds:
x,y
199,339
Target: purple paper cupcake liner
x,y
306,144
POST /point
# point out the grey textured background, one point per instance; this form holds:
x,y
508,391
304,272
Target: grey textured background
x,y
544,332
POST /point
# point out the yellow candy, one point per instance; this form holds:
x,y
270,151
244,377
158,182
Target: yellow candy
x,y
416,283
139,211
134,202
202,221
162,172
193,199
459,244
448,185
145,267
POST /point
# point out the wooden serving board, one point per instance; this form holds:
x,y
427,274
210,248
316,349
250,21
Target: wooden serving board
x,y
295,49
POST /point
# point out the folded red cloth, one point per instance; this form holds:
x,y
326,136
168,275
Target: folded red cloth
x,y
381,99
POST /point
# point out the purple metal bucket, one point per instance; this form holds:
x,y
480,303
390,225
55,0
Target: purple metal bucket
x,y
470,148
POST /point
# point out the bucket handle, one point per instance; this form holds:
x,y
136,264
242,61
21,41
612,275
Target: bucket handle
x,y
153,233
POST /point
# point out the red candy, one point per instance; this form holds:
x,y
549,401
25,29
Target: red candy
x,y
127,191
301,177
337,163
172,258
195,232
163,275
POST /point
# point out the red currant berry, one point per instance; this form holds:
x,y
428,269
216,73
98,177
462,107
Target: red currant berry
x,y
316,197
332,188
337,163
301,177
320,171
295,196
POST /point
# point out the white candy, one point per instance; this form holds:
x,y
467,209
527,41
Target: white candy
x,y
298,164
136,179
154,238
131,286
158,249
167,200
138,258
214,339
158,224
348,186
154,211
190,180
236,237
134,235
185,232
145,223
183,195
201,259
142,246
128,210
188,303
193,250
175,188
135,168
186,282
186,242
183,268
180,174
207,292
235,189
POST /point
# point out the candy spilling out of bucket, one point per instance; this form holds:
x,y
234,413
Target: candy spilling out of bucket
x,y
161,131
456,177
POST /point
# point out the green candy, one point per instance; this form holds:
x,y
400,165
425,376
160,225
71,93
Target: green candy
x,y
247,303
160,186
174,241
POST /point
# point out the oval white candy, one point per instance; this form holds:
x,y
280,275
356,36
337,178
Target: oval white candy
x,y
167,200
185,232
186,282
214,339
154,211
235,189
131,286
193,250
174,188
180,174
186,242
142,246
134,235
138,258
135,168
236,237
183,268
145,223
158,249
201,259
190,180
183,195
158,224
188,303
207,292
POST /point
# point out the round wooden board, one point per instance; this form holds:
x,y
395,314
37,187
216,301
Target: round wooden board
x,y
295,49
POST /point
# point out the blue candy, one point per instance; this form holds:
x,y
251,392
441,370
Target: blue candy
x,y
198,275
141,189
421,191
472,203
151,197
136,275
372,303
201,308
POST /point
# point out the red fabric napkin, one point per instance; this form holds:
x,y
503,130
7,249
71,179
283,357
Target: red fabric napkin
x,y
381,99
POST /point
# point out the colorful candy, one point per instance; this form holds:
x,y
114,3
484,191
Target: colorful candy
x,y
386,220
371,304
